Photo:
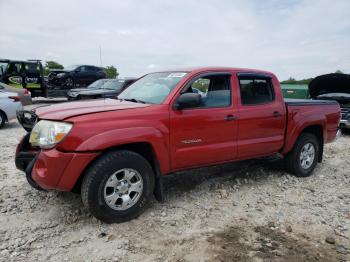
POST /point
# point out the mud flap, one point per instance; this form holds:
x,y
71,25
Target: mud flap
x,y
320,155
158,183
158,189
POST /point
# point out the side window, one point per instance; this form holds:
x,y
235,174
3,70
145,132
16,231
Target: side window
x,y
90,68
16,68
256,91
215,90
32,68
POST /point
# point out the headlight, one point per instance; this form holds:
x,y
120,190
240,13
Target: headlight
x,y
60,75
73,94
347,116
46,134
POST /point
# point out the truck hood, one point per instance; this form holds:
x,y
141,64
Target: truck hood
x,y
95,91
330,83
71,109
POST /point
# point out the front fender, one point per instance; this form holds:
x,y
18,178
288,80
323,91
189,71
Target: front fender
x,y
118,137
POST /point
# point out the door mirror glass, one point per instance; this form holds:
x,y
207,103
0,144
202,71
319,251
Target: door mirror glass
x,y
188,100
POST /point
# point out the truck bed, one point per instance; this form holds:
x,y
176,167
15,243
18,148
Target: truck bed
x,y
308,102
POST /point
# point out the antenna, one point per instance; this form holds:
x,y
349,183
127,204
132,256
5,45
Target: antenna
x,y
100,55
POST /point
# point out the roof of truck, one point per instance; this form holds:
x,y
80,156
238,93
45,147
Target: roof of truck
x,y
215,68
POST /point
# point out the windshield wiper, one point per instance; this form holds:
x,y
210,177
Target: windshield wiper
x,y
134,100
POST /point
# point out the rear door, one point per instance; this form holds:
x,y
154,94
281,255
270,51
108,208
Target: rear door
x,y
206,134
82,76
262,115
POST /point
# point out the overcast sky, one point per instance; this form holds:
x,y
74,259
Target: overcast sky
x,y
291,38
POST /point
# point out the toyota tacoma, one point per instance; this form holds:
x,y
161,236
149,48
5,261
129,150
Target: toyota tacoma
x,y
116,151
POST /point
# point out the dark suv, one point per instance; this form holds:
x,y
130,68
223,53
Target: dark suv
x,y
75,76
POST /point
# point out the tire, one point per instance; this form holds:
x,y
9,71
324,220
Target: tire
x,y
109,180
2,119
345,131
69,82
296,163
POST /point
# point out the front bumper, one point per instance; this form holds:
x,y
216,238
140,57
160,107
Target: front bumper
x,y
344,124
52,169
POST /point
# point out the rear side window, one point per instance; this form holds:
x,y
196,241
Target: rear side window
x,y
32,68
255,91
91,68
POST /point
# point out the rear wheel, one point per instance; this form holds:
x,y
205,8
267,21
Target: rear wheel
x,y
118,186
2,119
302,160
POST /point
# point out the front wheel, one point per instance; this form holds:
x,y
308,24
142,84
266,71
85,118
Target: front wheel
x,y
118,186
69,83
302,160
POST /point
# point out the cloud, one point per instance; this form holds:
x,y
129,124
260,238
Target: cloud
x,y
291,38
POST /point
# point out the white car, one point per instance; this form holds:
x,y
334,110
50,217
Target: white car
x,y
9,104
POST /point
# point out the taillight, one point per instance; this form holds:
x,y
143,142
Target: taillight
x,y
14,98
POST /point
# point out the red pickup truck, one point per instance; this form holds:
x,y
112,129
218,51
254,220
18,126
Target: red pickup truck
x,y
117,150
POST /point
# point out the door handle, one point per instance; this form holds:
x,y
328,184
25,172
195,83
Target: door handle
x,y
231,118
277,114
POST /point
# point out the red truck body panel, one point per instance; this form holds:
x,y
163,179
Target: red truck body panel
x,y
180,139
300,117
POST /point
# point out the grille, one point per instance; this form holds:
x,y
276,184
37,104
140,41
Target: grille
x,y
344,111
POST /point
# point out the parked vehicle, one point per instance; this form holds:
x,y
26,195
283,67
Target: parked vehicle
x,y
334,87
23,93
24,75
295,91
109,88
75,76
9,104
118,150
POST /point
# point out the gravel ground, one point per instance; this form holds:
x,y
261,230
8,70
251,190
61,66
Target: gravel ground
x,y
250,211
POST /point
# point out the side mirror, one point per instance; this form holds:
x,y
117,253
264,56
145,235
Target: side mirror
x,y
188,100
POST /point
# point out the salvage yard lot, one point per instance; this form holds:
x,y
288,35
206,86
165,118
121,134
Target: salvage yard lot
x,y
250,211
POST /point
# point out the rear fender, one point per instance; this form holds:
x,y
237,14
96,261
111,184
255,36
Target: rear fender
x,y
114,138
297,124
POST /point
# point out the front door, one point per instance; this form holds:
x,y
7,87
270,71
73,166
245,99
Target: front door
x,y
205,134
82,76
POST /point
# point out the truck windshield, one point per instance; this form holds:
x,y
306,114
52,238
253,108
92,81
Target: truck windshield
x,y
71,68
3,67
152,88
